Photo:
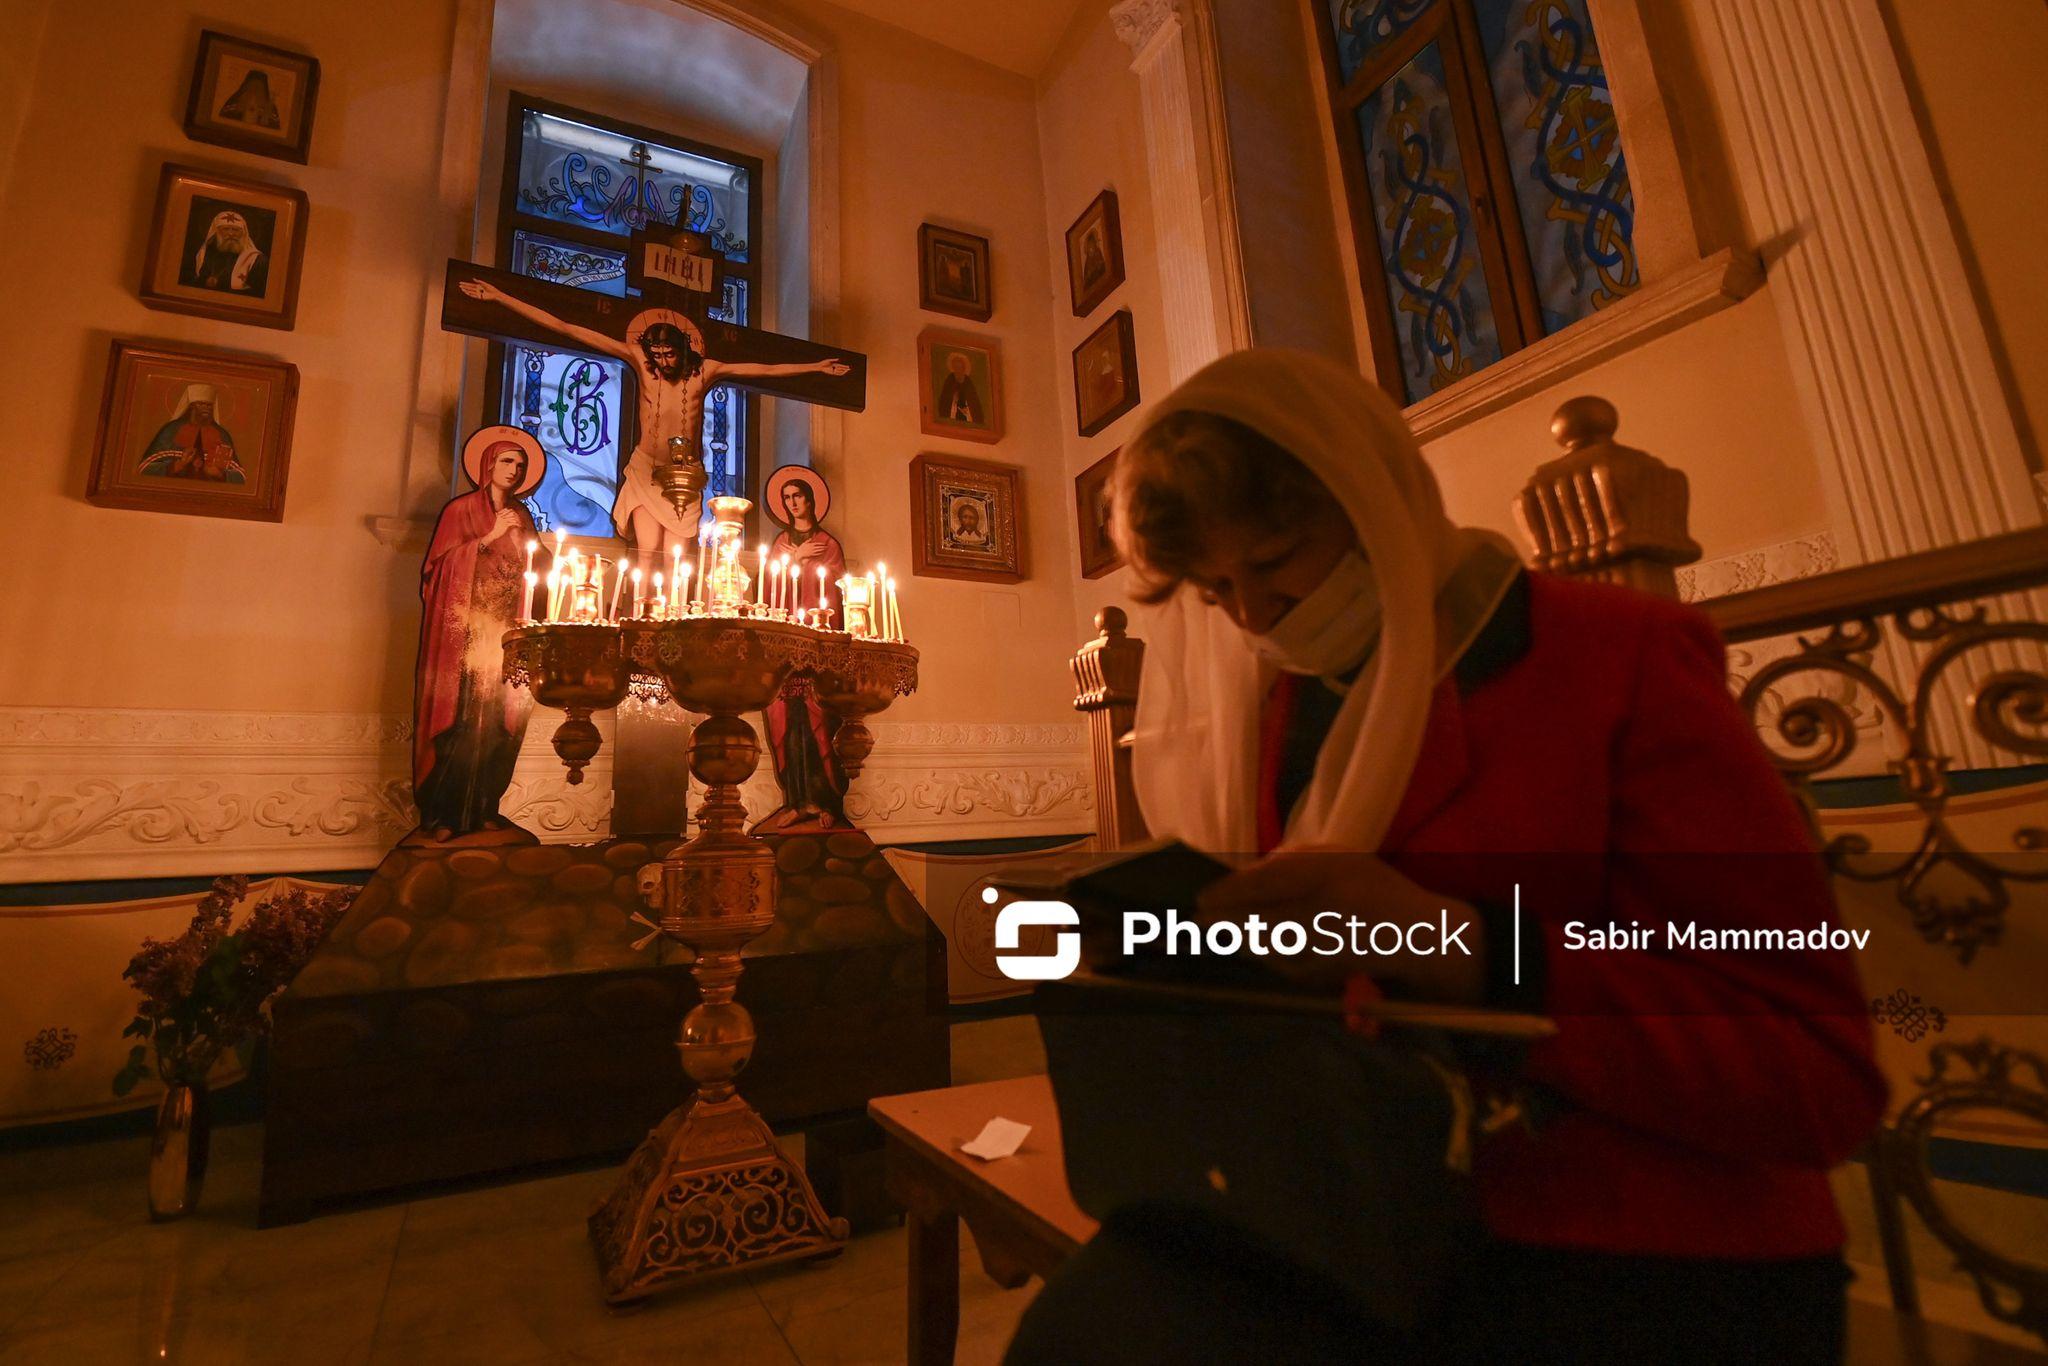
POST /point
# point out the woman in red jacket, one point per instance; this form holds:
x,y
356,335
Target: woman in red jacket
x,y
1399,719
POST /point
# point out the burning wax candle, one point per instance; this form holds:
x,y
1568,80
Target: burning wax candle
x,y
683,593
703,570
532,588
617,583
554,579
531,546
639,598
821,592
895,614
675,566
761,577
655,599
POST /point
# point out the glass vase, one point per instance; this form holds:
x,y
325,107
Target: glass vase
x,y
177,1153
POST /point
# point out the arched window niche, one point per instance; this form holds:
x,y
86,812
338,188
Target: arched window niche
x,y
705,70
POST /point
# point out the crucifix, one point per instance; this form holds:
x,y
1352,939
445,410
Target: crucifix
x,y
673,349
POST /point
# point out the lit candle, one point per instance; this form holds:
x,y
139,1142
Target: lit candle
x,y
656,602
895,614
554,579
639,599
761,577
531,546
532,588
617,584
675,575
683,594
703,570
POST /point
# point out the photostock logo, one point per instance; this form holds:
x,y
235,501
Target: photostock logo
x,y
1011,921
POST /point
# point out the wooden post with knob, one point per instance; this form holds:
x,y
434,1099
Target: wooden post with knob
x,y
1603,510
1106,671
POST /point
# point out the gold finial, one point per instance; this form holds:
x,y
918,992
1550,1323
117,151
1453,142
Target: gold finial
x,y
1583,421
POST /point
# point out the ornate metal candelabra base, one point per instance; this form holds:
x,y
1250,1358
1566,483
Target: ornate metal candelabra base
x,y
709,1190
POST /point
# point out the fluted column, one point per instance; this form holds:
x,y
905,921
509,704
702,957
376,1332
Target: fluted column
x,y
1182,135
1909,412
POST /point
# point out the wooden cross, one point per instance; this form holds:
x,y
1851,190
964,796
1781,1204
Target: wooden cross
x,y
672,347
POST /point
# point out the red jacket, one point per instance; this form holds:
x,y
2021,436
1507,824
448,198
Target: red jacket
x,y
1705,1094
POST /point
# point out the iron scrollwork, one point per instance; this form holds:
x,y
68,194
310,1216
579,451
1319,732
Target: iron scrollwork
x,y
1990,1077
1821,735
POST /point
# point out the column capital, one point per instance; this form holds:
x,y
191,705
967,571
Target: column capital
x,y
1138,22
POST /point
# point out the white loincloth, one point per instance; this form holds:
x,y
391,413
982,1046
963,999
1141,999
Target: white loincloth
x,y
639,490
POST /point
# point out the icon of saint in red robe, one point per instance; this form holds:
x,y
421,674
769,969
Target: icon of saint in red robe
x,y
467,721
799,730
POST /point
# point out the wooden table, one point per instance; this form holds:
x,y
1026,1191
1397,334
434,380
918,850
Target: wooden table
x,y
1024,1221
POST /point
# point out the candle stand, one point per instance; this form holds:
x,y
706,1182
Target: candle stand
x,y
710,1189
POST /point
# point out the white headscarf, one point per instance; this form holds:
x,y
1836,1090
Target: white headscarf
x,y
1195,740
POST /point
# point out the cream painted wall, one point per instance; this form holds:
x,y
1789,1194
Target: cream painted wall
x,y
1977,84
928,134
1092,133
132,609
144,609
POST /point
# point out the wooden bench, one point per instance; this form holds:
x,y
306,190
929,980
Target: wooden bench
x,y
1024,1221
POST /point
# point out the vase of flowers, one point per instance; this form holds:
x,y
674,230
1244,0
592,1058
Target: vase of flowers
x,y
204,993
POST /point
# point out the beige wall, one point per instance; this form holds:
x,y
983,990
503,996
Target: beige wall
x,y
128,609
147,610
1974,69
927,134
1092,136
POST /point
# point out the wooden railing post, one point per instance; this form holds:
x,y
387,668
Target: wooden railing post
x,y
1603,510
1106,672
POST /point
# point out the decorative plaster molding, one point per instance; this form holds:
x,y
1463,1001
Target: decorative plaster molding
x,y
1800,558
93,794
1651,312
1138,22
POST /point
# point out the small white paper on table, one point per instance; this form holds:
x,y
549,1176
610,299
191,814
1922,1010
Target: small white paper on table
x,y
998,1138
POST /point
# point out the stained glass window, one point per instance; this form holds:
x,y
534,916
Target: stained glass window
x,y
1363,27
589,176
1429,248
577,187
1564,151
1484,165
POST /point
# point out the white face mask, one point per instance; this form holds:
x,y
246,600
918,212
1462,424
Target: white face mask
x,y
1329,632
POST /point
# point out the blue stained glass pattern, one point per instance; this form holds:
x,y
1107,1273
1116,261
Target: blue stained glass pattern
x,y
1429,250
1362,27
574,404
1564,148
565,263
595,178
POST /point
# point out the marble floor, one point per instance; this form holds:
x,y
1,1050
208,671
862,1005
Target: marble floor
x,y
501,1274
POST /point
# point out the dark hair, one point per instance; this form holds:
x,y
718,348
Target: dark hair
x,y
1185,474
665,334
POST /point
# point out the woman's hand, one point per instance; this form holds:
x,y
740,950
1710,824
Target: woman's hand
x,y
1299,885
506,521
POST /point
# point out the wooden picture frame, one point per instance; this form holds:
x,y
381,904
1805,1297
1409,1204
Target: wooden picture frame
x,y
224,247
1091,516
1106,374
252,97
1095,254
959,385
197,432
953,273
968,519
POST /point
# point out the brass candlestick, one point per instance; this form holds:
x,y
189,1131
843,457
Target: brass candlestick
x,y
710,1189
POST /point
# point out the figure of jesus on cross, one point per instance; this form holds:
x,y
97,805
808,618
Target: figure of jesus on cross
x,y
663,344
